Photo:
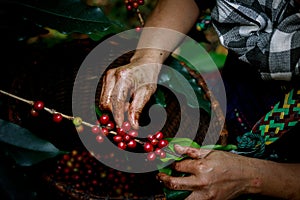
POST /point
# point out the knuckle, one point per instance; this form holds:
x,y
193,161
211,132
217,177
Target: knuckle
x,y
191,150
173,184
103,105
151,87
204,182
122,73
211,195
177,166
104,102
116,102
110,72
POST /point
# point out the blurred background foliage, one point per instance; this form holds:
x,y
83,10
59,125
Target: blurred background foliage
x,y
50,22
60,20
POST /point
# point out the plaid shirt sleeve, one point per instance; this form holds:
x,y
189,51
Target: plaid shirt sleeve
x,y
264,33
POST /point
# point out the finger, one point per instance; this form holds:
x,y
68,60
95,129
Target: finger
x,y
140,98
178,183
192,152
126,106
107,89
119,98
186,166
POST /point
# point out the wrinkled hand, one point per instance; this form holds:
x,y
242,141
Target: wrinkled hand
x,y
213,174
137,81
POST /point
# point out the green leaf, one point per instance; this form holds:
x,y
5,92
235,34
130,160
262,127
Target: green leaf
x,y
160,98
98,111
166,170
219,59
171,157
66,16
23,146
175,194
228,147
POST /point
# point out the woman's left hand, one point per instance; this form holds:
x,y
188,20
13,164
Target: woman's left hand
x,y
212,174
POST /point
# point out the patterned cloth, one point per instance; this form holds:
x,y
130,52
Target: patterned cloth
x,y
284,115
264,33
273,125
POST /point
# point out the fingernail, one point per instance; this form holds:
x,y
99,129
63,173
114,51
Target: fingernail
x,y
177,146
157,177
134,122
135,125
179,149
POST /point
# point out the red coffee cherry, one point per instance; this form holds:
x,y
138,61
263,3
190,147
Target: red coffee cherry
x,y
38,105
148,147
57,117
104,119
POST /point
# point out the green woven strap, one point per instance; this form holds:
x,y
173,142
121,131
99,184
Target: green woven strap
x,y
284,115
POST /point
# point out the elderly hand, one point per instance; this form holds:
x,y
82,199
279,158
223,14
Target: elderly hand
x,y
129,88
212,174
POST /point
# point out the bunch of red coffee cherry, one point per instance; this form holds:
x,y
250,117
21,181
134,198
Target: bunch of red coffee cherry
x,y
133,4
124,137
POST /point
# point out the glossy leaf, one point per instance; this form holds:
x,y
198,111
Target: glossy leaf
x,y
228,147
160,98
176,194
218,58
98,111
23,146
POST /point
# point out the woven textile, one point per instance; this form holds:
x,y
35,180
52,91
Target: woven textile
x,y
272,126
281,118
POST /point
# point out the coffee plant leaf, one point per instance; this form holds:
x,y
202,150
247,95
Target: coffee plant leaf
x,y
23,146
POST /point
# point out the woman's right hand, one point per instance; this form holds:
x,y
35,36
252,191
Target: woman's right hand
x,y
129,88
138,80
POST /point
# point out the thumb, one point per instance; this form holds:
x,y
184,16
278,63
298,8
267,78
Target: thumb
x,y
192,152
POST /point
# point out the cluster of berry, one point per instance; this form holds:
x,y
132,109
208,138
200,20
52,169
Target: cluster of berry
x,y
155,145
133,4
124,137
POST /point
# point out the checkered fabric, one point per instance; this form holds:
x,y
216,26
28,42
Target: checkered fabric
x,y
264,33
